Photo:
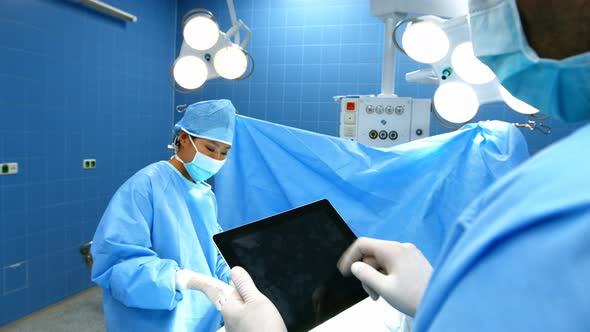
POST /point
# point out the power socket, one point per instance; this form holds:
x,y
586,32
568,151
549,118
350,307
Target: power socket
x,y
89,163
8,168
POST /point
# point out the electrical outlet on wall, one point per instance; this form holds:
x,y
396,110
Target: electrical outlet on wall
x,y
89,163
8,168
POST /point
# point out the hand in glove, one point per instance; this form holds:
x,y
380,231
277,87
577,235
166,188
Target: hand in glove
x,y
243,308
398,272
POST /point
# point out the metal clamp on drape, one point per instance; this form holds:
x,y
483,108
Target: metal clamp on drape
x,y
532,125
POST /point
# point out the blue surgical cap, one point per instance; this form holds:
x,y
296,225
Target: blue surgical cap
x,y
212,119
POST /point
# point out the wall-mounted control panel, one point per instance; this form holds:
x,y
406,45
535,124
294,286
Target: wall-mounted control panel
x,y
384,121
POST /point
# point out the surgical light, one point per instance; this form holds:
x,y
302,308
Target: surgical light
x,y
468,67
207,53
230,62
190,72
201,31
516,104
425,41
465,83
456,102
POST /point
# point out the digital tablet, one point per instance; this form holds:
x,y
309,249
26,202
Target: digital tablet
x,y
292,259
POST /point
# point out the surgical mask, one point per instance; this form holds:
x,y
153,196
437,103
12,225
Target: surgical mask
x,y
202,167
559,88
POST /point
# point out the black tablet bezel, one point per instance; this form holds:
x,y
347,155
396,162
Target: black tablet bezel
x,y
223,242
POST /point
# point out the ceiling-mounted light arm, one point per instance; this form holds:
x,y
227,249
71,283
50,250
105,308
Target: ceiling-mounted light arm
x,y
232,12
248,34
234,20
423,76
234,31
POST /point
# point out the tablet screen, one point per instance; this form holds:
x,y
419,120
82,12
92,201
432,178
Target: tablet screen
x,y
292,259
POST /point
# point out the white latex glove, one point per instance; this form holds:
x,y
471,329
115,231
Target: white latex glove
x,y
243,308
216,290
398,272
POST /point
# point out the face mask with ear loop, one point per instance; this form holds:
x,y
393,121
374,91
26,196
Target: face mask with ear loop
x,y
202,167
560,88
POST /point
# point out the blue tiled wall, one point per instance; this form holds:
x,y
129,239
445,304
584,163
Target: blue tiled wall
x,y
74,84
308,51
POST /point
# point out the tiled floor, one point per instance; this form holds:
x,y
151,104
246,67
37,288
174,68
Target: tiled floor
x,y
80,313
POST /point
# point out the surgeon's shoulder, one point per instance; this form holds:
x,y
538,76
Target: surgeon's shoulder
x,y
149,177
565,163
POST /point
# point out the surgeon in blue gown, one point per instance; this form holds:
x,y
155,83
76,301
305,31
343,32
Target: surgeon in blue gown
x,y
518,259
155,234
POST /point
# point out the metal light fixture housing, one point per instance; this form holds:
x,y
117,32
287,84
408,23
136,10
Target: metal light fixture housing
x,y
208,53
200,29
465,83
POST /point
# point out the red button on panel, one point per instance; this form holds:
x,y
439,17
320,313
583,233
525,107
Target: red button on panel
x,y
350,106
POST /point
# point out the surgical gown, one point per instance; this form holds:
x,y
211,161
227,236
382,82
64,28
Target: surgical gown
x,y
519,258
156,223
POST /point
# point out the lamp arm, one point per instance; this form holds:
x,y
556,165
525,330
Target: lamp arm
x,y
234,31
234,19
248,34
423,76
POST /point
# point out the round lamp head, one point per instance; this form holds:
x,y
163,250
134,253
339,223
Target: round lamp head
x,y
201,31
456,102
515,103
190,72
425,42
468,67
230,62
